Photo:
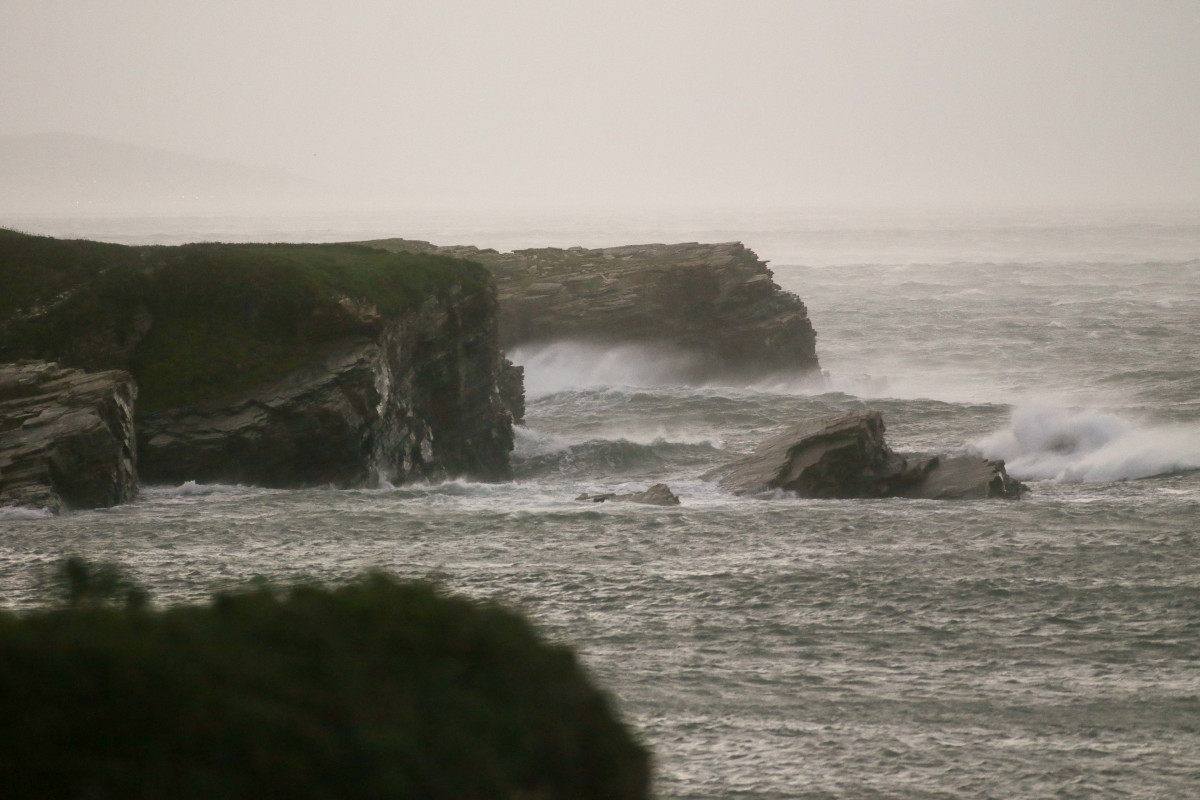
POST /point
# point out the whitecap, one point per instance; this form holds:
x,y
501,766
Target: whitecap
x,y
1087,445
559,366
24,512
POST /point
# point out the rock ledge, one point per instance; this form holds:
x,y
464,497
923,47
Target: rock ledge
x,y
845,457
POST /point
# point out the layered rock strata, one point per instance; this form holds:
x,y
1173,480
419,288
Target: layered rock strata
x,y
277,365
66,437
716,304
419,400
846,457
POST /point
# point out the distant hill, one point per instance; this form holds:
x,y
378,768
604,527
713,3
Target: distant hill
x,y
67,173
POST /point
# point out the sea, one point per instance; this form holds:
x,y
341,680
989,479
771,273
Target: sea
x,y
777,647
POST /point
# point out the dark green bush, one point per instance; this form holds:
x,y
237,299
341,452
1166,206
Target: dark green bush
x,y
378,689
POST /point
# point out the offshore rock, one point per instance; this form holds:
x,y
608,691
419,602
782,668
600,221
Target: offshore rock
x,y
66,437
418,401
716,303
657,495
965,478
845,456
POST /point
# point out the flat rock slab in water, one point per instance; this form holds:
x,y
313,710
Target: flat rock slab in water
x,y
845,456
657,495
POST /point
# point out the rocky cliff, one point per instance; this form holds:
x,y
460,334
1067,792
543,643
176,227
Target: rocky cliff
x,y
278,365
66,437
419,399
717,303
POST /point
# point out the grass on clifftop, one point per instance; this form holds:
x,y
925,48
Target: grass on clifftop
x,y
198,321
375,689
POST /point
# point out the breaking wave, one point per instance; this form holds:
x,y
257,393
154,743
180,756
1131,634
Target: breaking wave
x,y
558,366
1073,445
24,512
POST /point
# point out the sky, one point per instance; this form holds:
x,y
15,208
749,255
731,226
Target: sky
x,y
756,102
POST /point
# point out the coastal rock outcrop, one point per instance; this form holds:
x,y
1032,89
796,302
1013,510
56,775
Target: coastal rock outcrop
x,y
717,304
845,456
278,365
66,437
657,495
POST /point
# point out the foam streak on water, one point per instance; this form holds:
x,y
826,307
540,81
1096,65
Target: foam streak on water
x,y
784,648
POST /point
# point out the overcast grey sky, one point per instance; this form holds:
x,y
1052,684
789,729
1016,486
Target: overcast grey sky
x,y
755,101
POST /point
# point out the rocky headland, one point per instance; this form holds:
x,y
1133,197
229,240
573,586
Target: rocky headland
x,y
276,365
717,305
845,457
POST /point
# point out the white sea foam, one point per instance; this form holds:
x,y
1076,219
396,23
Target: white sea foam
x,y
1045,442
560,366
660,434
24,512
192,489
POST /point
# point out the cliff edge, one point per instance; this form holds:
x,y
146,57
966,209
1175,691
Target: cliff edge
x,y
717,303
277,365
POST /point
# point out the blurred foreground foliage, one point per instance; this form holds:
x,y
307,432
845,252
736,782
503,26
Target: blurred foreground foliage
x,y
376,689
77,582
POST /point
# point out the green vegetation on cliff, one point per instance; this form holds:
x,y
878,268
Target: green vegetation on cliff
x,y
197,321
375,689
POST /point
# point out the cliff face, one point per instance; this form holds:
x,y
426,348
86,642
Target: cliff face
x,y
418,400
66,437
277,365
716,302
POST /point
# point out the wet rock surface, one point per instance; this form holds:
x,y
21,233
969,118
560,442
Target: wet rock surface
x,y
657,495
845,456
716,303
66,437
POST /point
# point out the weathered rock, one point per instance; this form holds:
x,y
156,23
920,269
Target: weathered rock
x,y
420,400
845,456
657,495
511,385
66,437
716,303
964,478
278,365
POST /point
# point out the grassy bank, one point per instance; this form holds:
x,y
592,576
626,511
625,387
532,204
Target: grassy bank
x,y
195,322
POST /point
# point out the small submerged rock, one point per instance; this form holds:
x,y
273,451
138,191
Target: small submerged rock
x,y
845,457
657,495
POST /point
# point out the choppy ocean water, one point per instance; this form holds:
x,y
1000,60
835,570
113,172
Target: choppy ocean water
x,y
783,648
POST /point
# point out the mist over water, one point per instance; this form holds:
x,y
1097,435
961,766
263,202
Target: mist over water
x,y
1048,443
556,366
785,648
